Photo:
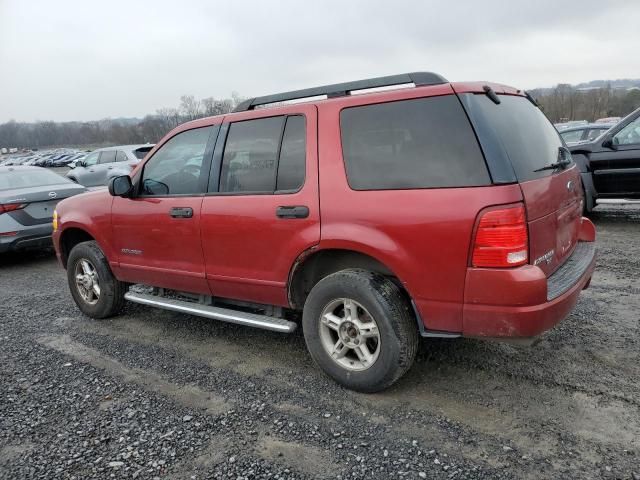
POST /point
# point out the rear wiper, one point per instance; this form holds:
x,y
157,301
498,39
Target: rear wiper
x,y
554,166
560,164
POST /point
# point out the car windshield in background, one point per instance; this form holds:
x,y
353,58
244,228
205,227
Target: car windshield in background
x,y
528,137
13,179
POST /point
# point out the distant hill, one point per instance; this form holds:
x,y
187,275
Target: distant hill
x,y
622,83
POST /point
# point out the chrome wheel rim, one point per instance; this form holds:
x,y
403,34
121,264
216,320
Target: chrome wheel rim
x,y
87,281
349,334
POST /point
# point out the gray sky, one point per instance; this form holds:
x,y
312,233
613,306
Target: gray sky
x,y
86,60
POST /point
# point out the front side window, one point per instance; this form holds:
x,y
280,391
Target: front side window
x,y
250,156
176,167
108,156
408,144
629,135
91,159
572,136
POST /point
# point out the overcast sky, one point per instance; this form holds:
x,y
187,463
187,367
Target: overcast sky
x,y
86,60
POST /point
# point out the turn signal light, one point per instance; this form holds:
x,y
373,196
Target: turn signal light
x,y
10,207
55,220
502,239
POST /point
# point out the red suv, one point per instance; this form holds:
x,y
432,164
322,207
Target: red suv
x,y
374,215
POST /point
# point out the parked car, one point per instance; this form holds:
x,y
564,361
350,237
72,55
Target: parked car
x,y
584,133
610,164
441,210
28,197
99,166
572,123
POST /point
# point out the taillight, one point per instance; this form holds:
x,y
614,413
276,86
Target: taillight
x,y
501,239
10,207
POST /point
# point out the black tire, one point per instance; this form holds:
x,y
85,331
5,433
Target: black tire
x,y
111,298
390,309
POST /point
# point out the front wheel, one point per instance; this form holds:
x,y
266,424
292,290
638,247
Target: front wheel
x,y
360,329
95,290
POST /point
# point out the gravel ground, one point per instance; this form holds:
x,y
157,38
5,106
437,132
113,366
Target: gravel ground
x,y
157,394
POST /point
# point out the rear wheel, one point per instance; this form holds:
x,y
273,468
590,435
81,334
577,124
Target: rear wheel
x,y
360,330
95,290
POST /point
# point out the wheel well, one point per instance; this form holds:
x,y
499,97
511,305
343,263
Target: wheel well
x,y
69,239
325,262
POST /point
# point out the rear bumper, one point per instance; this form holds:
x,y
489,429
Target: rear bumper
x,y
522,302
28,239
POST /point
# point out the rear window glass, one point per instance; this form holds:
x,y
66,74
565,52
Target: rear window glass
x,y
29,178
419,143
142,152
527,136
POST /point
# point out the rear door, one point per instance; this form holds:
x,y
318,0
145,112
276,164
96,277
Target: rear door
x,y
262,209
157,232
553,197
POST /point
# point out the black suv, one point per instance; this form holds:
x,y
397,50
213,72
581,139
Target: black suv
x,y
610,164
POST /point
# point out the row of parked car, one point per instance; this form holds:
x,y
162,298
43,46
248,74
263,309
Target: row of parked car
x,y
60,157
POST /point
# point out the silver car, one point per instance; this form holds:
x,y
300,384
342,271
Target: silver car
x,y
101,165
28,197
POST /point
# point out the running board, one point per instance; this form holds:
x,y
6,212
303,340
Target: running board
x,y
225,314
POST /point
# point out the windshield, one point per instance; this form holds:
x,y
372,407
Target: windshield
x,y
13,179
529,139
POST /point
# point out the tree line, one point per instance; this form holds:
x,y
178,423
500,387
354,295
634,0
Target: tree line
x,y
562,103
565,102
150,129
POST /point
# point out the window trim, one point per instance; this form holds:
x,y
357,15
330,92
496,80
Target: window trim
x,y
213,187
204,169
491,183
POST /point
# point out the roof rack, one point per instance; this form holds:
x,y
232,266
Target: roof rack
x,y
419,79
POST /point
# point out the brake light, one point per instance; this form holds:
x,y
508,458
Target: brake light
x,y
502,239
10,207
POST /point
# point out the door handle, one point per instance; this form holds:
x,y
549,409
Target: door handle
x,y
292,211
181,212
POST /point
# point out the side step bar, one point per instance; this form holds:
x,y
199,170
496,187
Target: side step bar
x,y
225,314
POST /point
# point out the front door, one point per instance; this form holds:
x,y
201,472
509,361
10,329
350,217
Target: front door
x,y
157,231
616,170
262,210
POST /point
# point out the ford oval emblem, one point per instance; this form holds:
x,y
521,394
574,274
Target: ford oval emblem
x,y
570,185
53,194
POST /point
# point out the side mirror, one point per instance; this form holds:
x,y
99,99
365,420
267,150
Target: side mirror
x,y
120,186
609,143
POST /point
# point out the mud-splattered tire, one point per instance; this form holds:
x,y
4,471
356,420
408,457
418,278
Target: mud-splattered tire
x,y
93,287
367,314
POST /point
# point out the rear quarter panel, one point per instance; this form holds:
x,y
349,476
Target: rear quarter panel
x,y
422,236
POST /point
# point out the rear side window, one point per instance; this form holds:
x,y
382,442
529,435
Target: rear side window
x,y
121,156
526,135
291,166
419,143
250,156
108,157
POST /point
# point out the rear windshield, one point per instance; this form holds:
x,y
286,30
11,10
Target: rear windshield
x,y
142,152
29,178
419,143
527,136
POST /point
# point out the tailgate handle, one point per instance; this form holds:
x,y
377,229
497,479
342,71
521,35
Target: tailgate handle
x,y
181,212
297,211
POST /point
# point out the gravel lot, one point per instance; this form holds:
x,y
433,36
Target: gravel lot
x,y
158,394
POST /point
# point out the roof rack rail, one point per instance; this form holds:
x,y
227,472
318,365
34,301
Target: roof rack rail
x,y
419,79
